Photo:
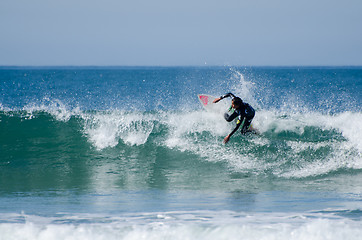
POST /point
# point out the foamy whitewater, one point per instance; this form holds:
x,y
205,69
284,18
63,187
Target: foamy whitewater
x,y
129,153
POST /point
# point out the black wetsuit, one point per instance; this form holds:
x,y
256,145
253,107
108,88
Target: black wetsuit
x,y
245,111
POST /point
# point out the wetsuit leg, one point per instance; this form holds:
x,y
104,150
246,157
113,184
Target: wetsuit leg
x,y
248,119
246,125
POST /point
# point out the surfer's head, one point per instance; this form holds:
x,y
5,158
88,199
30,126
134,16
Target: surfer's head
x,y
236,102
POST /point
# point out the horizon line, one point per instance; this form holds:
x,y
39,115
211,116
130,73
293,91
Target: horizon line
x,y
172,66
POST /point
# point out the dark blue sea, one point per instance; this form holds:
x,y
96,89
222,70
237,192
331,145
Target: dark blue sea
x,y
129,153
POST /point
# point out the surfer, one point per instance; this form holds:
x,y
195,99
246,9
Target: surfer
x,y
242,110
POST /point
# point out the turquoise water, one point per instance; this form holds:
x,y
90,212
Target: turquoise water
x,y
129,153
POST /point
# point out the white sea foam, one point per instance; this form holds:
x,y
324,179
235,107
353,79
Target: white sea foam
x,y
189,225
244,88
105,129
185,128
3,108
56,108
342,144
349,124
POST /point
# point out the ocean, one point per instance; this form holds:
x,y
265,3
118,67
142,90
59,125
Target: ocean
x,y
129,153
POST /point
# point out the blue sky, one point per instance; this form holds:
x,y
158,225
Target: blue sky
x,y
187,32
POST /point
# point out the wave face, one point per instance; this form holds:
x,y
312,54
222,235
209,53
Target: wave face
x,y
126,153
288,146
169,141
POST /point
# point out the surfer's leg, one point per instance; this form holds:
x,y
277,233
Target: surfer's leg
x,y
246,126
248,118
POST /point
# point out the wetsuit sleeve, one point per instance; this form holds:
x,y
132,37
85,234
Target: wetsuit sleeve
x,y
231,117
236,128
227,95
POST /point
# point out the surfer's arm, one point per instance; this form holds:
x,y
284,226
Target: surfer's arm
x,y
222,97
227,138
231,117
227,95
216,100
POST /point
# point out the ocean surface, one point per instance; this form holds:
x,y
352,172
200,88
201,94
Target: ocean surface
x,y
129,153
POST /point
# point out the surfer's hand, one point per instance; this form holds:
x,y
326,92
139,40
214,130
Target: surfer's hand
x,y
216,100
226,139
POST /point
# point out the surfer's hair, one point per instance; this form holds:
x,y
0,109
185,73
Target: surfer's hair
x,y
237,101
